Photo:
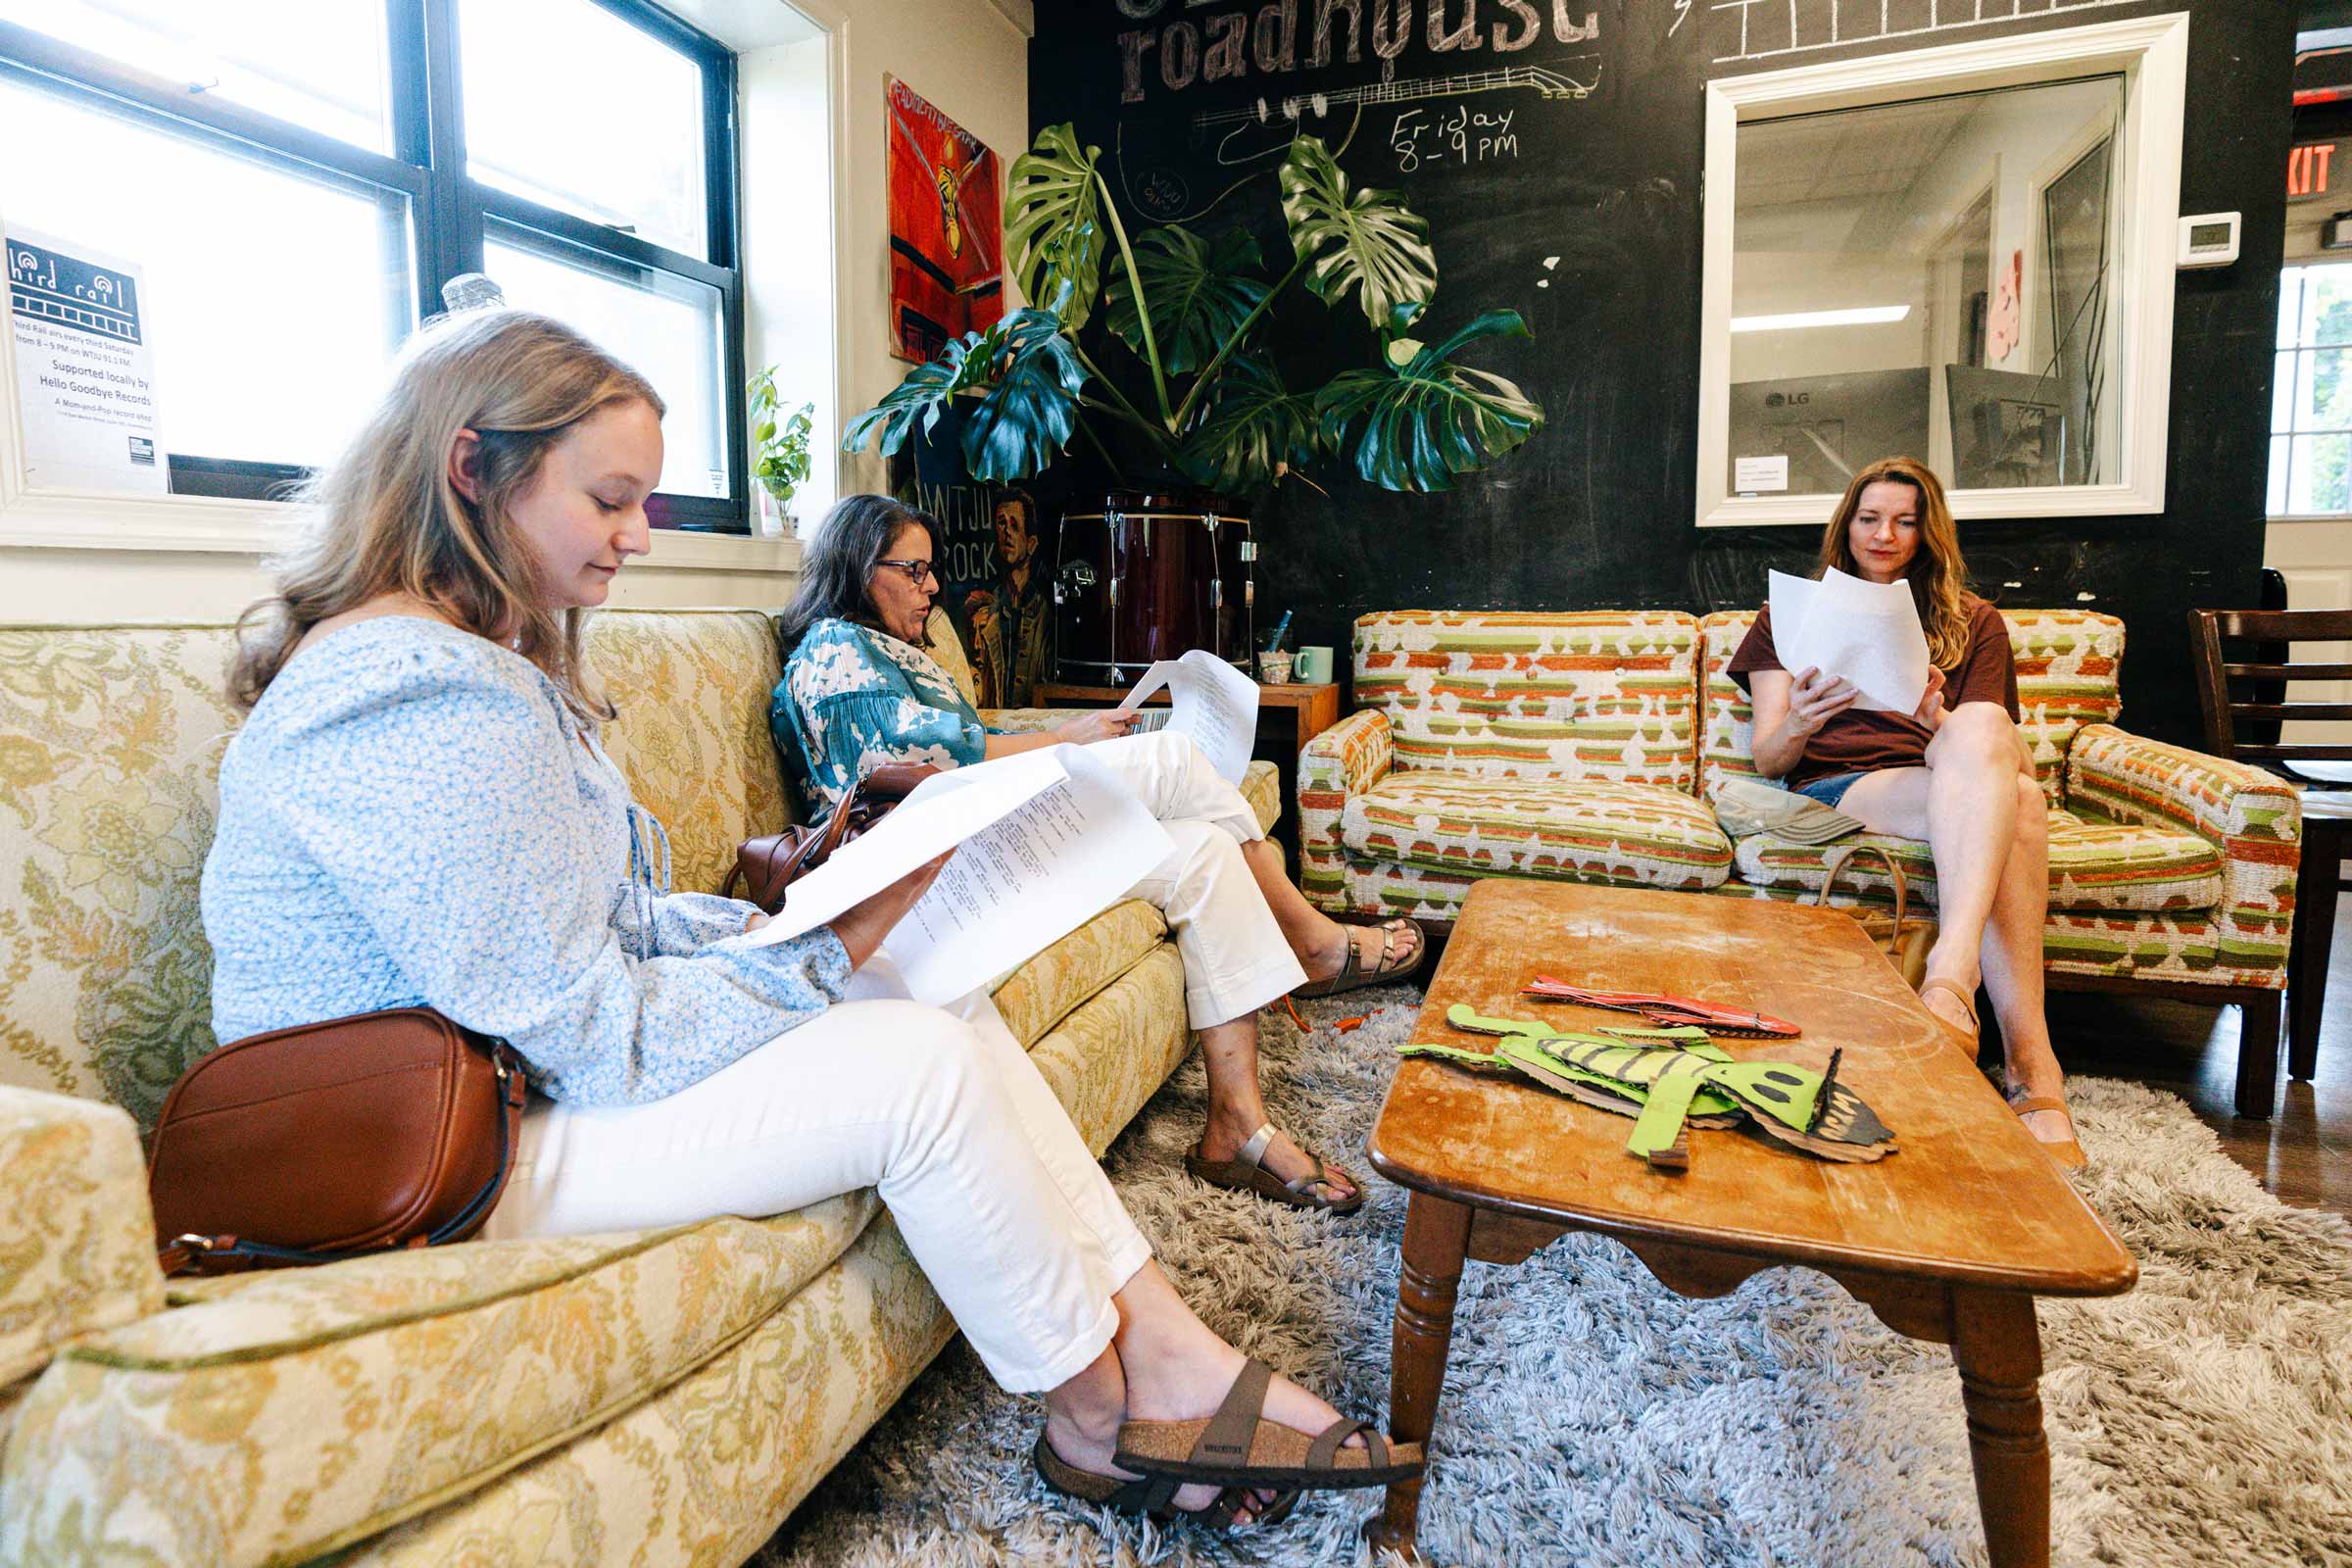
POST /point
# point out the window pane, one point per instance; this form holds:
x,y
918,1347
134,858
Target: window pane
x,y
2276,503
319,64
2282,391
1934,278
2322,465
669,328
2326,304
274,302
2324,390
569,106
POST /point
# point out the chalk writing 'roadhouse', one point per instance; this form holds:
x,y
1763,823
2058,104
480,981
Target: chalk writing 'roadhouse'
x,y
1225,45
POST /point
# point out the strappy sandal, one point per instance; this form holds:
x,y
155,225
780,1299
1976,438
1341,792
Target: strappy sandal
x,y
1239,1447
2067,1151
1244,1173
1353,972
1153,1496
1968,1005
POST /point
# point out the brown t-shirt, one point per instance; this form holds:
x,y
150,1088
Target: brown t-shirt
x,y
1856,742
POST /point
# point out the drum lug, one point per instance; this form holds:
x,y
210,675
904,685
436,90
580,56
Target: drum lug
x,y
1248,550
1216,593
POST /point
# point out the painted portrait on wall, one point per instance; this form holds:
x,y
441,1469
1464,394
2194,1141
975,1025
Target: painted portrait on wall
x,y
947,227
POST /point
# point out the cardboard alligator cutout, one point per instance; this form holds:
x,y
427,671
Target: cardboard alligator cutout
x,y
1669,1079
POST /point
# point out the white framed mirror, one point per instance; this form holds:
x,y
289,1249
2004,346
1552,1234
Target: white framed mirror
x,y
1963,254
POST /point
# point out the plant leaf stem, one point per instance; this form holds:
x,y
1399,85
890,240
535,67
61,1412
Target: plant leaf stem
x,y
1143,307
1209,371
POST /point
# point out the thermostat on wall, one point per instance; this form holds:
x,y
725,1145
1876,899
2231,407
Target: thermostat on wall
x,y
2209,239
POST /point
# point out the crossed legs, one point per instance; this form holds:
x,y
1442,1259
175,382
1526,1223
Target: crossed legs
x,y
1979,808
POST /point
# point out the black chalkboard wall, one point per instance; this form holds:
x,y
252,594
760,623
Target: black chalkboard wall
x,y
1596,509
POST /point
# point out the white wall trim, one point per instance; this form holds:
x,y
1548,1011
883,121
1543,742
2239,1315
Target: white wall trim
x,y
2152,54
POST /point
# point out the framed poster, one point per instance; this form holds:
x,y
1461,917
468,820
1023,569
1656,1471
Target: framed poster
x,y
947,227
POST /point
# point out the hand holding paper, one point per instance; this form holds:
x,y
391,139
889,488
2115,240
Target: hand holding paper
x,y
1215,704
1864,632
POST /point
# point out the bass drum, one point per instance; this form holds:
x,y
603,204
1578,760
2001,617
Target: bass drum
x,y
1143,576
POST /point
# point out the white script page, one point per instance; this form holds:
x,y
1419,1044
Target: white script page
x,y
1864,632
1215,704
1048,840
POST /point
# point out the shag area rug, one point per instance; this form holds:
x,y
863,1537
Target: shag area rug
x,y
1593,1417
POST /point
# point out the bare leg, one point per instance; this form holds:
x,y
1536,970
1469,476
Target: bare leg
x,y
1163,1364
1237,1109
1964,802
2013,974
1319,941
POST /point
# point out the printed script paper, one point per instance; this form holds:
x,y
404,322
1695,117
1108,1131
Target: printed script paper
x,y
1864,632
1214,703
1048,840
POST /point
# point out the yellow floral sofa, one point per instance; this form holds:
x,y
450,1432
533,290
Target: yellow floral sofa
x,y
657,1397
1585,746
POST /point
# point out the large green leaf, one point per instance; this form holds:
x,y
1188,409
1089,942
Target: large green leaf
x,y
1368,242
1256,429
1054,225
1032,406
1199,292
922,394
1429,419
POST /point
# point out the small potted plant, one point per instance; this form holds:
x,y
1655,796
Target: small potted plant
x,y
779,443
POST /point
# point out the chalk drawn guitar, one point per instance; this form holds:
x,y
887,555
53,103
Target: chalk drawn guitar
x,y
1267,127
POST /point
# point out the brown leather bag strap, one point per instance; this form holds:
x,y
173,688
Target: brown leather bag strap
x,y
1837,862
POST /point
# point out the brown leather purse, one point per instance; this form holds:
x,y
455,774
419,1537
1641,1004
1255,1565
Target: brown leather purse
x,y
332,1139
765,866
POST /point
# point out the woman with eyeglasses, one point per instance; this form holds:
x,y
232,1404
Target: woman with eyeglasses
x,y
859,690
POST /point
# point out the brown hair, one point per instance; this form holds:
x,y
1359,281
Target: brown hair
x,y
385,519
1938,577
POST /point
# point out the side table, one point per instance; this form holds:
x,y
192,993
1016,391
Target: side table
x,y
1289,716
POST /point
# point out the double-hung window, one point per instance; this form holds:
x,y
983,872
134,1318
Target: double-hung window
x,y
2311,394
297,180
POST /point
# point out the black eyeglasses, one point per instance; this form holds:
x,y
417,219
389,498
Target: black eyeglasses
x,y
916,571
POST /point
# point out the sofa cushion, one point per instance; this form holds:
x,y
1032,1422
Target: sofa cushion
x,y
1600,694
1056,983
78,1250
1586,830
2096,866
2067,663
279,1416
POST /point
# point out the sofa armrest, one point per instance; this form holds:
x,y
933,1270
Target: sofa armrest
x,y
77,1237
1348,759
2253,817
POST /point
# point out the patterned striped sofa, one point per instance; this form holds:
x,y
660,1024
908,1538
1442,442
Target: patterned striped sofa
x,y
1585,746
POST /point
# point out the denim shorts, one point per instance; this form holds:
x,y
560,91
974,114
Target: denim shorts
x,y
1828,791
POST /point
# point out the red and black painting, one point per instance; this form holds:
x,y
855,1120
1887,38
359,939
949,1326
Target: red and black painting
x,y
947,227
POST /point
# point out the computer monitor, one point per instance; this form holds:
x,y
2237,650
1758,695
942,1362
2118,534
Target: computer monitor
x,y
1824,427
2007,430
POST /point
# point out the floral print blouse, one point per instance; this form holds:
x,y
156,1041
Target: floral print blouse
x,y
852,699
412,817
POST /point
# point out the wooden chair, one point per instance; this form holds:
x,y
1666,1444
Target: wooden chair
x,y
2318,766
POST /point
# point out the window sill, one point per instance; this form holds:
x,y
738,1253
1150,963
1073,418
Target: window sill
x,y
204,524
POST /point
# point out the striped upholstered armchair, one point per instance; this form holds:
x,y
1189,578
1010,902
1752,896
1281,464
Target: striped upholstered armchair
x,y
1586,747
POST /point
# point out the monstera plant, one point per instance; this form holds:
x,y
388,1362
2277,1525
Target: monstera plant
x,y
1197,390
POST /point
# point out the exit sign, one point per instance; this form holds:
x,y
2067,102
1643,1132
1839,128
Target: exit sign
x,y
2311,171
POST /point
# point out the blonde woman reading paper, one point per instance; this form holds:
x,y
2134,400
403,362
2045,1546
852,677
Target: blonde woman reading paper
x,y
1953,773
417,812
860,691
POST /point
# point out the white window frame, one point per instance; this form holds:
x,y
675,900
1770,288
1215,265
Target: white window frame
x,y
2151,53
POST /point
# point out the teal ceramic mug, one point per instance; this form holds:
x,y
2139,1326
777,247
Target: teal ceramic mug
x,y
1313,668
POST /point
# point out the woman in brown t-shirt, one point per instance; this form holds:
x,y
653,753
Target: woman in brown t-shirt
x,y
1955,772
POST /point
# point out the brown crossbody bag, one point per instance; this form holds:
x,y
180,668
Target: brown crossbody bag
x,y
766,866
334,1140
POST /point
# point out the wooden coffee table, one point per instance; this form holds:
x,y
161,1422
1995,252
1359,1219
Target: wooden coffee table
x,y
1948,1240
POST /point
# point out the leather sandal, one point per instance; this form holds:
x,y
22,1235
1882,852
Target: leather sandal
x,y
1239,1447
1244,1173
1353,972
2067,1151
1153,1496
1968,1005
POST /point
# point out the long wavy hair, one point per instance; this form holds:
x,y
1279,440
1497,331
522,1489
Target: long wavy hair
x,y
1938,577
385,518
839,562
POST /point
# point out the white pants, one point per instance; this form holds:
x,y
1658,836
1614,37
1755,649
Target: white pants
x,y
1236,959
939,1108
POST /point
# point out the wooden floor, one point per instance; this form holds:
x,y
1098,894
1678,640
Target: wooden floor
x,y
2301,1152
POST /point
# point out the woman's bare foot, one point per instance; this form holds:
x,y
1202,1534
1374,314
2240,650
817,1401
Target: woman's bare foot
x,y
1232,1126
2047,1126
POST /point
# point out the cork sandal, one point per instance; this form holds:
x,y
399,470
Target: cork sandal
x,y
1974,1031
1354,972
1153,1496
1239,1447
1246,1173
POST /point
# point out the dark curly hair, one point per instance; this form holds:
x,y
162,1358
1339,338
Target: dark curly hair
x,y
839,561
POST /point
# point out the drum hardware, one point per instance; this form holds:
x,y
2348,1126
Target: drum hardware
x,y
1128,593
1074,575
1248,550
1216,593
